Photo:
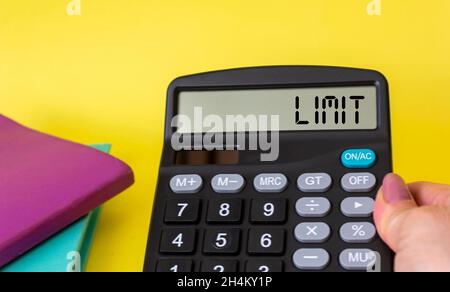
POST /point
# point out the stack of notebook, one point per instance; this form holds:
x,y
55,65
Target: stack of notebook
x,y
50,190
67,251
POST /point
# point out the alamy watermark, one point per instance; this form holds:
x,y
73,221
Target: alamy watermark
x,y
74,8
374,8
214,132
74,262
374,262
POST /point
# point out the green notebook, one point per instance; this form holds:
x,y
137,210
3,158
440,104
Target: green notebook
x,y
66,251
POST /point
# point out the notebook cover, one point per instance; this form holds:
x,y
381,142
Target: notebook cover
x,y
53,255
47,183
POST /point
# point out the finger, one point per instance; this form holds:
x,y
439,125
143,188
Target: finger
x,y
430,194
394,200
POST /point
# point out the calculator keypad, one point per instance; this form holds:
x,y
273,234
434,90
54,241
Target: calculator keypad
x,y
186,184
264,266
225,211
182,211
178,241
268,241
228,183
314,182
311,259
219,266
270,183
313,207
174,266
358,182
312,232
264,211
360,207
358,232
357,259
222,241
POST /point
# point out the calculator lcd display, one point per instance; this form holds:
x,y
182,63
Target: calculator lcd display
x,y
297,109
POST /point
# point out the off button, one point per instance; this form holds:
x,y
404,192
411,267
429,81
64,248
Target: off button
x,y
358,182
358,158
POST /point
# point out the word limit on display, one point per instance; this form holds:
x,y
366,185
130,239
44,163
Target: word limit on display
x,y
331,109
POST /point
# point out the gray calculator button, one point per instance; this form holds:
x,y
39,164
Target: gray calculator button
x,y
357,207
358,182
311,259
358,232
186,184
313,207
228,183
312,232
358,259
270,183
314,182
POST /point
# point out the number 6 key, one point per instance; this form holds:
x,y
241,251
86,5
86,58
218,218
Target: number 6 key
x,y
266,241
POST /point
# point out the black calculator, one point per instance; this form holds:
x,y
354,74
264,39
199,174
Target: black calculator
x,y
272,169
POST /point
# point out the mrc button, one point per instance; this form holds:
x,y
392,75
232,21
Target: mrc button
x,y
358,182
314,182
358,158
270,183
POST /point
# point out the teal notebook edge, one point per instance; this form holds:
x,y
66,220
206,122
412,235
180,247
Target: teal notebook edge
x,y
67,251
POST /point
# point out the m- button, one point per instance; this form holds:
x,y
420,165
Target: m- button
x,y
228,183
186,184
314,182
270,183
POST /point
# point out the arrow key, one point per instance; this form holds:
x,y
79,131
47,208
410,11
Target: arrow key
x,y
358,207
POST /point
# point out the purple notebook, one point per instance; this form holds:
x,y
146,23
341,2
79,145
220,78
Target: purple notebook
x,y
47,183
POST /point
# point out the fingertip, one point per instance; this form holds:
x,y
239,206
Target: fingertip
x,y
392,200
395,190
379,211
381,202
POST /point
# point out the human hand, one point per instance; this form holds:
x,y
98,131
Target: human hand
x,y
414,220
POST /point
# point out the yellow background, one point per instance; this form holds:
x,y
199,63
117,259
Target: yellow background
x,y
102,77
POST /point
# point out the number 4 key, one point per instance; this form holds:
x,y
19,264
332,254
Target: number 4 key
x,y
178,241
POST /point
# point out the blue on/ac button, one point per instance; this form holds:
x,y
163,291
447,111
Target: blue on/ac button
x,y
358,158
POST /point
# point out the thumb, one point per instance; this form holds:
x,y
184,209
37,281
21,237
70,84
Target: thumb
x,y
394,201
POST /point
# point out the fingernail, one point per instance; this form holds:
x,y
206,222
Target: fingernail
x,y
395,189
